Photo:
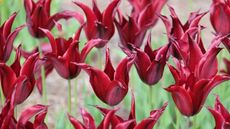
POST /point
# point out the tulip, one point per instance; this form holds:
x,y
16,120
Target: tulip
x,y
110,85
41,9
150,64
116,122
221,115
130,32
66,51
220,19
227,64
195,78
99,24
179,32
220,16
8,121
7,38
146,11
143,17
18,79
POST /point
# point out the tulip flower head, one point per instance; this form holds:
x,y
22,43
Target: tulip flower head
x,y
64,52
110,85
221,115
38,16
113,121
7,38
99,24
195,78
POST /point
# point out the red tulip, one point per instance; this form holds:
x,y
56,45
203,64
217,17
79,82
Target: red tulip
x,y
227,64
221,115
66,51
99,24
39,111
150,64
110,85
7,38
41,9
130,32
195,78
116,122
179,32
220,16
146,12
8,121
18,79
220,19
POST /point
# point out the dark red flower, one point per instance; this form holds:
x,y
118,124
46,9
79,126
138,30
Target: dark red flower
x,y
150,64
110,86
7,37
220,19
146,12
39,111
195,78
144,16
227,70
179,33
221,115
18,79
130,32
66,51
116,122
8,120
220,16
38,16
99,24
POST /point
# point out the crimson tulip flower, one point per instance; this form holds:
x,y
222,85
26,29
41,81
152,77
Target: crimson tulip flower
x,y
150,64
8,121
227,64
221,115
143,17
20,79
116,122
195,78
64,52
7,38
99,24
130,32
219,16
146,12
110,85
38,16
179,32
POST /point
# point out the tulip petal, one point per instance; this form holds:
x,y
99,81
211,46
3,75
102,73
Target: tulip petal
x,y
125,125
109,70
218,118
29,113
8,78
9,42
76,124
182,99
88,120
8,25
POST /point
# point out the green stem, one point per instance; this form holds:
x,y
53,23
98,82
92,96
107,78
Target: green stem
x,y
76,95
44,91
69,96
2,97
151,97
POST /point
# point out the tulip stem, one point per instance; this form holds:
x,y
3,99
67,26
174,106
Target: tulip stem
x,y
44,92
151,97
188,123
69,96
2,97
76,95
